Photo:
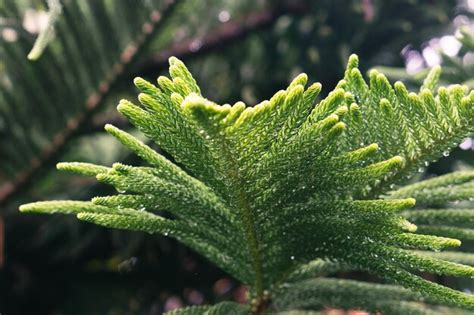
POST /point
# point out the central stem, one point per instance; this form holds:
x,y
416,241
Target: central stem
x,y
249,227
259,305
240,202
243,204
254,245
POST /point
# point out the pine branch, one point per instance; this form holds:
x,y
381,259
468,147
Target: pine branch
x,y
458,257
46,35
94,102
287,189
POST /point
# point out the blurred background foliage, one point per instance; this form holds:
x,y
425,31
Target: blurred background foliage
x,y
53,109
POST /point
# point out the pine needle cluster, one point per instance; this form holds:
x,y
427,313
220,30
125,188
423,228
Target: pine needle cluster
x,y
284,194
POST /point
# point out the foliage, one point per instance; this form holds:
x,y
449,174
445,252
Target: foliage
x,y
48,250
305,190
123,37
113,33
47,34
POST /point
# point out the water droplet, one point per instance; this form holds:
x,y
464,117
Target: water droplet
x,y
292,257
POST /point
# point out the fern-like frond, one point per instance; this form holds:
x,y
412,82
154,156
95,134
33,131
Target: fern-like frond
x,y
419,127
436,212
458,257
293,188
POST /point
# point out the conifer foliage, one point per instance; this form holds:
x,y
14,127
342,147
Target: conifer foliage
x,y
284,194
115,34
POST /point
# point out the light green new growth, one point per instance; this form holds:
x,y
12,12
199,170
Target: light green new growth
x,y
292,190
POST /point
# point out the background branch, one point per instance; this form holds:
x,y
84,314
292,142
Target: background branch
x,y
219,38
94,102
